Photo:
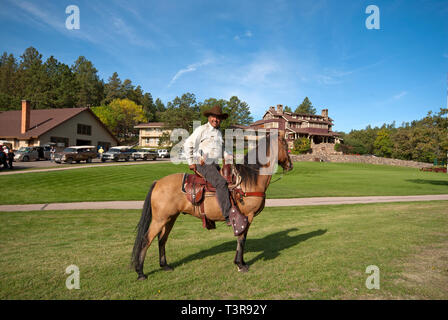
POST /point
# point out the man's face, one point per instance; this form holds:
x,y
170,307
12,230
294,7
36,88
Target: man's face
x,y
214,121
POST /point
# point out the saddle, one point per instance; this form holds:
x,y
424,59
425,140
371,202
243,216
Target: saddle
x,y
195,187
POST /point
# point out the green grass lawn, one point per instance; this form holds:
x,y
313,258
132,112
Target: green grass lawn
x,y
294,253
308,179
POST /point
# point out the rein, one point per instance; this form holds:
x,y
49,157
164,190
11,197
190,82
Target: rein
x,y
255,194
281,176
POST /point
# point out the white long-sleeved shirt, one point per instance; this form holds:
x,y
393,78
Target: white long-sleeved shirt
x,y
205,142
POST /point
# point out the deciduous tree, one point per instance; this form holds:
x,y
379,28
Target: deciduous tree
x,y
120,116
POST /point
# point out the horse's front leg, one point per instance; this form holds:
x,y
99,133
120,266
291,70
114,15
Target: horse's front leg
x,y
239,259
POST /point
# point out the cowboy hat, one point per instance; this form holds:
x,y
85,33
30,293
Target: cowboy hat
x,y
216,111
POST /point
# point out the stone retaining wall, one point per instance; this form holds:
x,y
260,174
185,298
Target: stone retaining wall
x,y
360,159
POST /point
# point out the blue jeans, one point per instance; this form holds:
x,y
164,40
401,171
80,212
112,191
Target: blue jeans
x,y
211,173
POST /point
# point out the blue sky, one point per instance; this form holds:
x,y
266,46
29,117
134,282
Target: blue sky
x,y
265,52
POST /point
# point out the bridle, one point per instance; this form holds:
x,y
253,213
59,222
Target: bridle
x,y
277,179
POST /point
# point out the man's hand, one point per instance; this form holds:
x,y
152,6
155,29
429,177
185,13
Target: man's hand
x,y
193,166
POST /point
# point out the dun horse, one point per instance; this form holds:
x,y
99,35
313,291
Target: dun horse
x,y
165,201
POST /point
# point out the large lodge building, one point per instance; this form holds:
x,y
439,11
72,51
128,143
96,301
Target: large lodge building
x,y
317,128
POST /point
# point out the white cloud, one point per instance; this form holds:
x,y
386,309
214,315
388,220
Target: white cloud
x,y
261,79
123,29
189,68
327,79
400,95
247,34
40,17
259,72
335,76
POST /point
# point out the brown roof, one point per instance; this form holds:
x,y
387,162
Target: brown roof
x,y
258,122
238,126
318,120
288,116
149,125
41,121
314,131
262,121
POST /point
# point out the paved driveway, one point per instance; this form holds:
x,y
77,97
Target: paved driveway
x,y
127,205
41,166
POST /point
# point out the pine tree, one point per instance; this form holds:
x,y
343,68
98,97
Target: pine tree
x,y
159,108
90,89
112,89
33,82
62,91
306,107
239,112
8,81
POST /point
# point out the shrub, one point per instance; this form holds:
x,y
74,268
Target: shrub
x,y
301,146
337,147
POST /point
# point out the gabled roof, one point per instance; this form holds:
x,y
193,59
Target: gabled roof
x,y
263,121
41,121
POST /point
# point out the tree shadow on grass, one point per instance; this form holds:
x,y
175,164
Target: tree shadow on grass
x,y
269,247
424,181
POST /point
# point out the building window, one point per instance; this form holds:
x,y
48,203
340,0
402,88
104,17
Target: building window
x,y
84,129
83,142
60,142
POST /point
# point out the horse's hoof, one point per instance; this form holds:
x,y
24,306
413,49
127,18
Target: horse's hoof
x,y
167,268
142,277
243,268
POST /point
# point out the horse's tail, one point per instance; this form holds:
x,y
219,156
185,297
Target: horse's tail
x,y
141,239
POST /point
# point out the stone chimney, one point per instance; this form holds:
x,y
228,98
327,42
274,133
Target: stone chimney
x,y
280,108
325,113
272,109
26,111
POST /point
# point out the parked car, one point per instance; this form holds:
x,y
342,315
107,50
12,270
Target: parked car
x,y
145,154
31,153
76,154
163,153
118,153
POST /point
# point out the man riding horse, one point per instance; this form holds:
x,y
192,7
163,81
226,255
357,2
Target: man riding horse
x,y
204,149
166,199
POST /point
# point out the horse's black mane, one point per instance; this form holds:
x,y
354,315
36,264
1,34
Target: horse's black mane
x,y
249,172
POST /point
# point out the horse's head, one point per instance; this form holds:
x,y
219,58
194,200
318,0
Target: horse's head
x,y
283,155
